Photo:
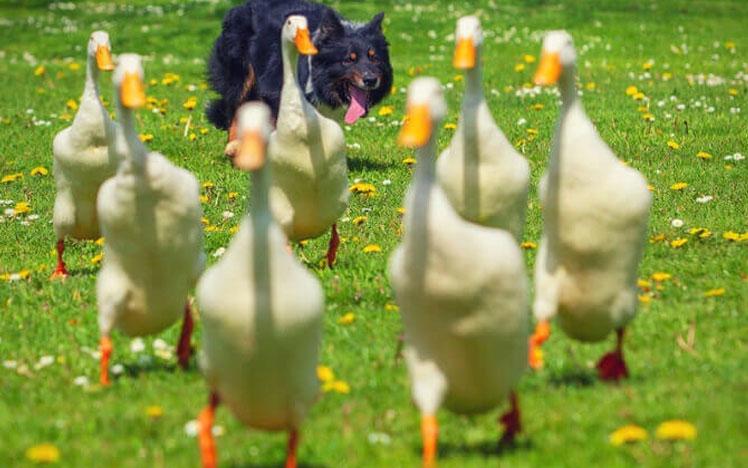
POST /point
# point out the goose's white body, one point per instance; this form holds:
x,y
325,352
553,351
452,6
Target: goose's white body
x,y
262,322
82,162
463,297
307,154
150,215
484,177
595,212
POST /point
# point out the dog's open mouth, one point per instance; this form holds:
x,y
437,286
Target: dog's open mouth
x,y
358,106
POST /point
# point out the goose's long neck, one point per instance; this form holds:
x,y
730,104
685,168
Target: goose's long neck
x,y
262,219
474,80
423,184
290,57
569,103
133,151
259,198
91,88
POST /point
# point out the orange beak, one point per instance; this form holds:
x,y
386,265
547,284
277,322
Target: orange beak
x,y
104,58
417,129
132,92
549,69
304,42
465,54
251,155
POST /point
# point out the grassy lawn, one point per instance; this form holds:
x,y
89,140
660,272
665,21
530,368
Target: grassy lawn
x,y
686,351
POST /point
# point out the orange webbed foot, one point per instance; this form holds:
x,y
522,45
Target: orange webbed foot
x,y
540,336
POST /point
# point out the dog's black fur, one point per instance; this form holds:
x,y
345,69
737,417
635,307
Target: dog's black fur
x,y
349,55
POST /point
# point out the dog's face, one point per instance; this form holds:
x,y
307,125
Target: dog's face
x,y
352,69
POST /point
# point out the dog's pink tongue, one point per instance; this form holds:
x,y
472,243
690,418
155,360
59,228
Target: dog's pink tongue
x,y
357,108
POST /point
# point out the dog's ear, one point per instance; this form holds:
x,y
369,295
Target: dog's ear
x,y
330,26
376,23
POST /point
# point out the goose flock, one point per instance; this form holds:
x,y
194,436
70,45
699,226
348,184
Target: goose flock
x,y
458,275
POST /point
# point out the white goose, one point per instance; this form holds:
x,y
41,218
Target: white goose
x,y
261,311
595,212
150,214
481,173
82,161
307,154
461,288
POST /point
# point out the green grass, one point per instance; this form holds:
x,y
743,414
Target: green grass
x,y
568,415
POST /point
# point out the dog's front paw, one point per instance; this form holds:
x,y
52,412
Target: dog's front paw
x,y
231,149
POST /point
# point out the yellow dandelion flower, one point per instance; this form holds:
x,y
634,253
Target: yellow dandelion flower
x,y
732,91
643,284
11,178
529,245
731,236
190,103
170,79
208,184
661,276
372,248
409,161
204,199
390,307
71,104
678,186
520,67
212,228
192,136
676,430
703,155
648,117
730,45
154,411
74,66
337,386
21,208
359,220
203,131
631,90
233,230
43,453
667,76
450,126
537,106
232,195
639,96
363,188
650,187
40,70
39,171
347,319
401,211
146,137
673,145
716,292
627,434
100,241
325,374
590,86
528,58
645,298
97,259
657,238
385,111
532,131
678,243
648,65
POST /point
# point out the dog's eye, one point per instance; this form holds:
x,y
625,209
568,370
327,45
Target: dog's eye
x,y
352,57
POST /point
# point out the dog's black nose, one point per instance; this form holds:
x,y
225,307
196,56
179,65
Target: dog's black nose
x,y
371,81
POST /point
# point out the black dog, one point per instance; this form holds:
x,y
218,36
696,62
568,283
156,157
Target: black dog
x,y
351,72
